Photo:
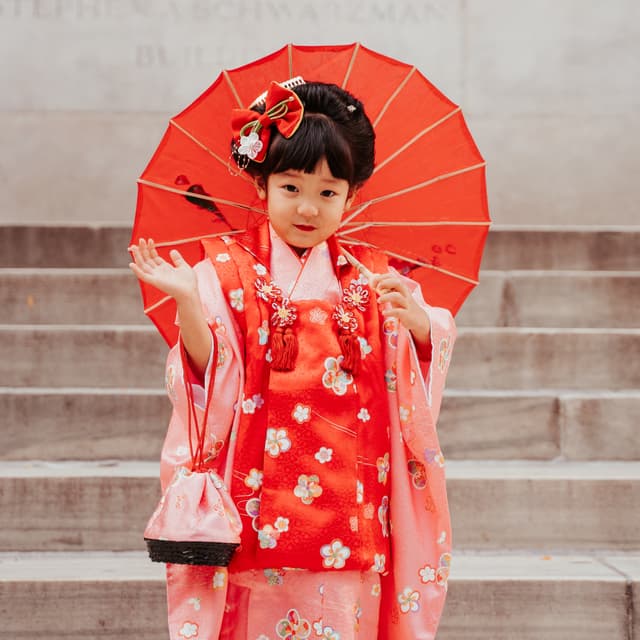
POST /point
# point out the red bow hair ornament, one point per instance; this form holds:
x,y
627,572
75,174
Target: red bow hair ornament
x,y
252,131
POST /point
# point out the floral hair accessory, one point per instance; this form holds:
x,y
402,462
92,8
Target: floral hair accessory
x,y
252,130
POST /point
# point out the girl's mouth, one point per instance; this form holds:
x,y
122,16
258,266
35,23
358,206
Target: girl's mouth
x,y
304,227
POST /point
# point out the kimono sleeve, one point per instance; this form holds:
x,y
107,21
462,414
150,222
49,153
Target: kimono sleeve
x,y
443,335
225,386
435,366
414,591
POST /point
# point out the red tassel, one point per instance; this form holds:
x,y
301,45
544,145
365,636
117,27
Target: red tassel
x,y
284,349
350,346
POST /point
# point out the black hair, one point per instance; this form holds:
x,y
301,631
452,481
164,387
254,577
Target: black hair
x,y
334,126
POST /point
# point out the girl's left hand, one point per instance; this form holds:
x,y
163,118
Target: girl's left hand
x,y
392,291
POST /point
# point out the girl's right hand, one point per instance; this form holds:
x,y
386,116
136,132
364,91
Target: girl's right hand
x,y
177,280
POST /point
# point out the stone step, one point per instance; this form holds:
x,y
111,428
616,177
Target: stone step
x,y
578,299
82,595
490,597
70,296
64,246
522,358
505,425
607,248
503,298
129,424
83,423
484,358
495,505
544,505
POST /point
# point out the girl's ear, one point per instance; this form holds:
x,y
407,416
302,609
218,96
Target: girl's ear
x,y
351,197
261,188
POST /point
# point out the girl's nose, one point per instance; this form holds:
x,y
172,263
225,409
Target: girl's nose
x,y
307,209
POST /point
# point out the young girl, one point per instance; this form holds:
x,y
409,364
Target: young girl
x,y
324,396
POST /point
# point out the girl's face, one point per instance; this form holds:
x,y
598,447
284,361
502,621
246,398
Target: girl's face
x,y
305,208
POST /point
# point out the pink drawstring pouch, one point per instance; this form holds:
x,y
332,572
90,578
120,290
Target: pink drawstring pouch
x,y
196,521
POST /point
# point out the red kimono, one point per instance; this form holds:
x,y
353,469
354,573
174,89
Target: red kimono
x,y
338,478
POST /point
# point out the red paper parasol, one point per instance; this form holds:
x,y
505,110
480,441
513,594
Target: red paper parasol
x,y
425,205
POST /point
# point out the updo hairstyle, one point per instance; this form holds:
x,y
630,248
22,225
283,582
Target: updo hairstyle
x,y
334,126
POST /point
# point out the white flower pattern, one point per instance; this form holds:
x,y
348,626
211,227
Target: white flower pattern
x,y
323,455
409,600
236,299
189,630
427,574
379,562
250,145
308,488
277,442
301,413
335,378
383,516
268,537
219,579
383,466
335,554
260,269
254,479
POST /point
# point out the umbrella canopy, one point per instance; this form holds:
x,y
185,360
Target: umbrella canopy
x,y
425,204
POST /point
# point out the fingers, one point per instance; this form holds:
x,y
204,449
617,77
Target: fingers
x,y
153,254
177,258
140,274
391,291
145,257
389,282
396,299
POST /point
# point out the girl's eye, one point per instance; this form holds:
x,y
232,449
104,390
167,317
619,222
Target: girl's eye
x,y
327,193
290,187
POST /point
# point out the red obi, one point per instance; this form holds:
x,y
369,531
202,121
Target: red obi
x,y
311,472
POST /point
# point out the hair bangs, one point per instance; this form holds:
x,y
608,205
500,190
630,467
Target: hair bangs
x,y
317,138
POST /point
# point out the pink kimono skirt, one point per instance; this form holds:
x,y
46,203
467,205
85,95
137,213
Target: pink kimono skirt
x,y
291,604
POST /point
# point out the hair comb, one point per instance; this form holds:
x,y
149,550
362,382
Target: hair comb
x,y
287,84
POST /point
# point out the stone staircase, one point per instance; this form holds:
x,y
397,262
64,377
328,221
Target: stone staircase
x,y
539,427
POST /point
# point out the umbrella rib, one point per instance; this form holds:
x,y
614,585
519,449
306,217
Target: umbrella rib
x,y
170,243
154,306
190,194
204,147
418,263
415,187
430,223
393,96
350,67
415,138
227,77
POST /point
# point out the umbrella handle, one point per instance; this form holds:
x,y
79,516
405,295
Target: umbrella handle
x,y
358,265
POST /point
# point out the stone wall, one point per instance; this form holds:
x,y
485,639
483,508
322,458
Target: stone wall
x,y
550,89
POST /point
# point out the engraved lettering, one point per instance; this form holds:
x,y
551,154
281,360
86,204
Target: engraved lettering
x,y
384,14
149,55
279,10
409,14
193,56
142,7
201,10
44,9
197,11
309,12
230,11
